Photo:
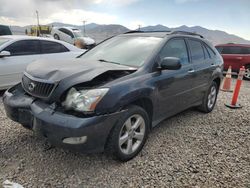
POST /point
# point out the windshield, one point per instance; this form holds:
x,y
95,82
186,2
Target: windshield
x,y
78,33
2,41
130,51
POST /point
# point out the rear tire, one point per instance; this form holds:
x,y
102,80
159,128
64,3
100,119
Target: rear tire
x,y
247,73
209,99
129,135
56,36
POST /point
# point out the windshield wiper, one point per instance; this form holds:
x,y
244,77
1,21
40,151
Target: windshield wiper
x,y
103,60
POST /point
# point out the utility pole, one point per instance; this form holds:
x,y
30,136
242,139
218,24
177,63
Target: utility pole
x,y
84,31
38,25
139,27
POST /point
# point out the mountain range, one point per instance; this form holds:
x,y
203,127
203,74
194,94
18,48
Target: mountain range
x,y
101,32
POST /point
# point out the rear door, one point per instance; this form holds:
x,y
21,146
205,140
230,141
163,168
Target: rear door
x,y
204,66
55,50
175,87
22,53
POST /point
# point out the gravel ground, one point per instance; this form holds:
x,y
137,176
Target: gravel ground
x,y
191,149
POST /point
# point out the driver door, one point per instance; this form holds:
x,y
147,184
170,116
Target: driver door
x,y
175,87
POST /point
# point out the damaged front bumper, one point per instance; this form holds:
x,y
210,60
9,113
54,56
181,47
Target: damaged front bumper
x,y
62,130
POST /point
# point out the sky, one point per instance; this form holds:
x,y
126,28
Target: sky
x,y
232,16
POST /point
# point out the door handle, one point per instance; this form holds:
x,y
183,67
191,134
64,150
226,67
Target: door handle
x,y
191,71
213,65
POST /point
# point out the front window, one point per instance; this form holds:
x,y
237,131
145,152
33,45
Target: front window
x,y
129,50
175,48
24,47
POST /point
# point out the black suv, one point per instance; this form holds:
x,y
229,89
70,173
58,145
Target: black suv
x,y
114,94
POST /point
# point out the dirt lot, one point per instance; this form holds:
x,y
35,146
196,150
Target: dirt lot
x,y
189,150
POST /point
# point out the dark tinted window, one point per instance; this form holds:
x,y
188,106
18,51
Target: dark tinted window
x,y
5,30
231,50
219,48
207,55
245,50
48,47
210,51
66,31
24,47
175,48
196,50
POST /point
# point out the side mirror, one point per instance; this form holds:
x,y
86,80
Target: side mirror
x,y
4,54
170,63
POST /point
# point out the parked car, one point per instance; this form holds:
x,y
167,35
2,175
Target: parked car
x,y
5,30
108,100
236,55
71,35
16,52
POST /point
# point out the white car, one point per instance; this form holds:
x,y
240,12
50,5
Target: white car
x,y
70,35
16,52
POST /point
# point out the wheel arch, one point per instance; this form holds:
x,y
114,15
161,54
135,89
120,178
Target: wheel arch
x,y
217,80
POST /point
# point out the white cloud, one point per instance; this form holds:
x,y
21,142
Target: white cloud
x,y
22,12
116,2
76,17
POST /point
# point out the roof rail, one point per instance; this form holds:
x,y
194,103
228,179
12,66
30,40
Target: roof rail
x,y
133,31
141,31
186,33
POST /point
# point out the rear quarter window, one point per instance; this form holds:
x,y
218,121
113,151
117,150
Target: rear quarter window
x,y
210,51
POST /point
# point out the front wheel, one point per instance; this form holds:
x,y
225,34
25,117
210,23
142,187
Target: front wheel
x,y
210,98
129,134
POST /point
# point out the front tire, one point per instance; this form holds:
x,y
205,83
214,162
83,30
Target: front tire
x,y
210,98
129,134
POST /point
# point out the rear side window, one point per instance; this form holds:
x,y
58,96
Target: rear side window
x,y
210,51
197,53
49,47
207,55
24,47
175,48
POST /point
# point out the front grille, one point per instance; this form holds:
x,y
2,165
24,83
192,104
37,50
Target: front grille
x,y
37,88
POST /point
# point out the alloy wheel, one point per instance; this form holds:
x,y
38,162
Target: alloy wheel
x,y
132,134
212,97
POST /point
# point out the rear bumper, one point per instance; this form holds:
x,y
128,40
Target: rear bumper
x,y
56,126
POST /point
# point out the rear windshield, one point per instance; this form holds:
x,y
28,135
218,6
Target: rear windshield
x,y
130,51
2,41
233,49
5,30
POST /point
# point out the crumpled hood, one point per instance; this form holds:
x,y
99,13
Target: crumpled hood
x,y
56,70
87,40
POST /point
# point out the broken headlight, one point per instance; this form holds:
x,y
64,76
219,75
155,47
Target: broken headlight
x,y
83,100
